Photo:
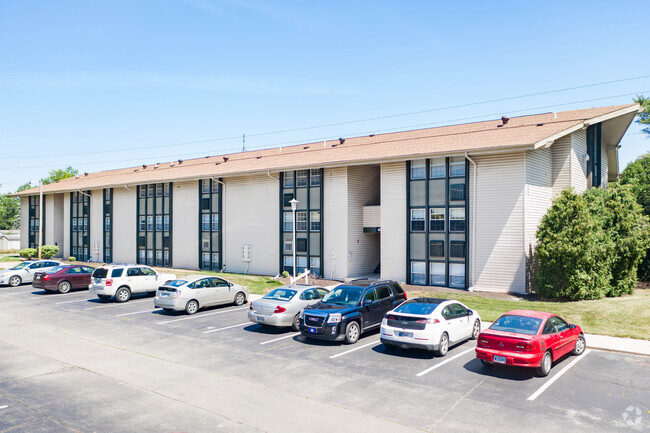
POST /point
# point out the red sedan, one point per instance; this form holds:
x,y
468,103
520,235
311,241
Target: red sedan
x,y
63,278
529,339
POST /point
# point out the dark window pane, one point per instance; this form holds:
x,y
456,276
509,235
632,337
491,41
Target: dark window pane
x,y
205,203
457,249
457,191
301,245
286,199
437,248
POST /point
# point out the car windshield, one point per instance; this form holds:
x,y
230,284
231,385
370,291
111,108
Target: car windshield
x,y
416,308
176,283
55,270
20,265
344,296
281,294
517,324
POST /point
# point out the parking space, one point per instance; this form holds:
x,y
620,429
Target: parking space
x,y
410,387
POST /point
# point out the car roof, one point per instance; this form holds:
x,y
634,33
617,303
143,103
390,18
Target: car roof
x,y
190,278
366,283
299,287
424,300
529,313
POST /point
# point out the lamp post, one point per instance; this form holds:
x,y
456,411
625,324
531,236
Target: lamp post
x,y
294,202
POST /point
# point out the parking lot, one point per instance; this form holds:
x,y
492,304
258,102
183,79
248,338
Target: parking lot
x,y
73,363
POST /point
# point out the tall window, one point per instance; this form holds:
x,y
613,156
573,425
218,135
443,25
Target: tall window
x,y
79,225
154,224
437,203
210,223
108,225
306,187
35,220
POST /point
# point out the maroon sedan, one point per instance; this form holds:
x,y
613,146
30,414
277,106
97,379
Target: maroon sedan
x,y
63,278
529,339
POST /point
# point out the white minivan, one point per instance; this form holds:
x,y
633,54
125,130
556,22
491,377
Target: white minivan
x,y
122,281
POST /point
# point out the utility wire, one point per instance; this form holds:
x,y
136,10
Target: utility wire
x,y
348,122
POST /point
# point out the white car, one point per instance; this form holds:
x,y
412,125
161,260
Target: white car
x,y
189,294
429,323
122,281
24,272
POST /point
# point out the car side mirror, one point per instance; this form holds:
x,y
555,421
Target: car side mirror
x,y
572,326
231,284
367,302
470,312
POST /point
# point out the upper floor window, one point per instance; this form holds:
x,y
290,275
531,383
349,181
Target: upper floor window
x,y
418,169
301,177
315,177
417,220
457,166
437,168
289,181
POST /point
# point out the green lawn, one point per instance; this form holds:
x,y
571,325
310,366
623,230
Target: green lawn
x,y
627,316
10,259
254,283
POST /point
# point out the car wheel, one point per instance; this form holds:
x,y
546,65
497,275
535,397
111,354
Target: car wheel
x,y
240,299
63,287
352,333
15,281
123,294
580,346
443,346
545,367
295,326
476,329
191,307
104,297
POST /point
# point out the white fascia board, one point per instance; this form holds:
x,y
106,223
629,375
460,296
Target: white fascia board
x,y
623,111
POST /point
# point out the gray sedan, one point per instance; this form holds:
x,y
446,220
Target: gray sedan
x,y
191,293
282,306
24,272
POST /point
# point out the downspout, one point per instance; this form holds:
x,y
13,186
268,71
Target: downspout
x,y
222,217
473,241
129,189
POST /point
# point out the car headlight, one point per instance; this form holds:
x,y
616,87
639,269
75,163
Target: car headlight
x,y
334,318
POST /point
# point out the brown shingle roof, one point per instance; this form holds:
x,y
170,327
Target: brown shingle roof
x,y
469,137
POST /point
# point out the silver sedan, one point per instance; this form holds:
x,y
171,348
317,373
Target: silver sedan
x,y
191,293
282,306
24,272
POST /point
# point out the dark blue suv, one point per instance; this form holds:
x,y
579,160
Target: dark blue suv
x,y
351,309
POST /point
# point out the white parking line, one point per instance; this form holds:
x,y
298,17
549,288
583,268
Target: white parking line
x,y
136,312
70,302
557,376
117,304
197,316
430,369
293,334
226,327
352,350
4,407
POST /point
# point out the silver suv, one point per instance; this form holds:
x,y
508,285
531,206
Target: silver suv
x,y
122,281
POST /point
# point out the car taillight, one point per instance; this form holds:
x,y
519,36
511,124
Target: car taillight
x,y
421,321
390,317
177,294
109,282
46,278
279,309
483,341
433,321
405,296
525,346
251,306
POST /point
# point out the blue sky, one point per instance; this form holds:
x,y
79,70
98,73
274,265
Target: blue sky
x,y
101,85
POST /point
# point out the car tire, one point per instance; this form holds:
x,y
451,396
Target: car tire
x,y
191,307
295,325
443,346
352,332
545,367
15,281
580,346
476,329
123,294
240,299
63,287
104,297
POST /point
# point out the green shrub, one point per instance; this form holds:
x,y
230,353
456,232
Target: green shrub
x,y
49,251
590,244
637,174
72,259
285,274
28,253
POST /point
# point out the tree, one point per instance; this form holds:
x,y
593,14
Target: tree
x,y
59,174
644,114
637,175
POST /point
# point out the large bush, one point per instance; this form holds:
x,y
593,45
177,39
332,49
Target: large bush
x,y
637,175
49,251
590,244
28,253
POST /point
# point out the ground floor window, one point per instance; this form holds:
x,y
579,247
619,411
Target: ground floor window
x,y
418,273
457,274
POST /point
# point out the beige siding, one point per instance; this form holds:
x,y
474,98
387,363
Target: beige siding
x,y
363,248
561,161
66,225
48,239
57,223
578,163
124,225
335,211
96,242
500,260
393,221
251,216
24,222
604,164
185,230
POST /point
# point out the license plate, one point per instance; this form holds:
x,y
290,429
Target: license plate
x,y
499,359
405,334
312,330
260,319
164,295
